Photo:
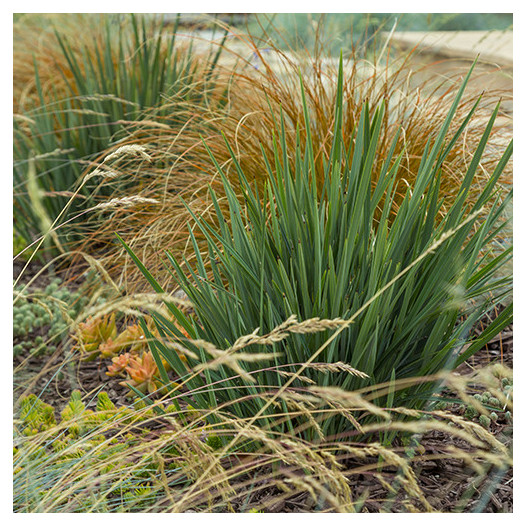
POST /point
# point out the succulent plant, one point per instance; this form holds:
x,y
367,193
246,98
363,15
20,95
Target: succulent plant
x,y
132,338
488,407
75,412
93,332
470,413
142,372
138,497
36,415
104,403
484,420
494,402
48,311
119,364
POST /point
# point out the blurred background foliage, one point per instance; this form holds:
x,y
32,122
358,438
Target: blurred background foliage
x,y
343,30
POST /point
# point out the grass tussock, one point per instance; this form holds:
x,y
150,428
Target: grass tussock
x,y
74,97
261,88
401,294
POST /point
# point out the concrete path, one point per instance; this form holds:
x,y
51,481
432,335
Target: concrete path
x,y
492,46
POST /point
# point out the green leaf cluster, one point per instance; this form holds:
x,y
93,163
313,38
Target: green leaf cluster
x,y
19,245
485,406
36,415
104,441
295,251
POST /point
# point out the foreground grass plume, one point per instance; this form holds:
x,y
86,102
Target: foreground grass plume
x,y
107,459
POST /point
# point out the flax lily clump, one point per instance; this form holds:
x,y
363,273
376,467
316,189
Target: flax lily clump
x,y
74,98
407,290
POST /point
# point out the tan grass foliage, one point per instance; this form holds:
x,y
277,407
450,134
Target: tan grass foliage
x,y
249,120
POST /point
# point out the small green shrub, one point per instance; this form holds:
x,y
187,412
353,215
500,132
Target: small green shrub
x,y
108,442
403,282
80,431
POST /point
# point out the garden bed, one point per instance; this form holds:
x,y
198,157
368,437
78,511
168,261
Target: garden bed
x,y
274,257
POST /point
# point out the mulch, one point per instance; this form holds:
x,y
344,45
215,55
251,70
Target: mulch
x,y
53,380
442,481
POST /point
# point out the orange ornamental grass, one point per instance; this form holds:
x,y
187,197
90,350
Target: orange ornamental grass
x,y
264,94
34,43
